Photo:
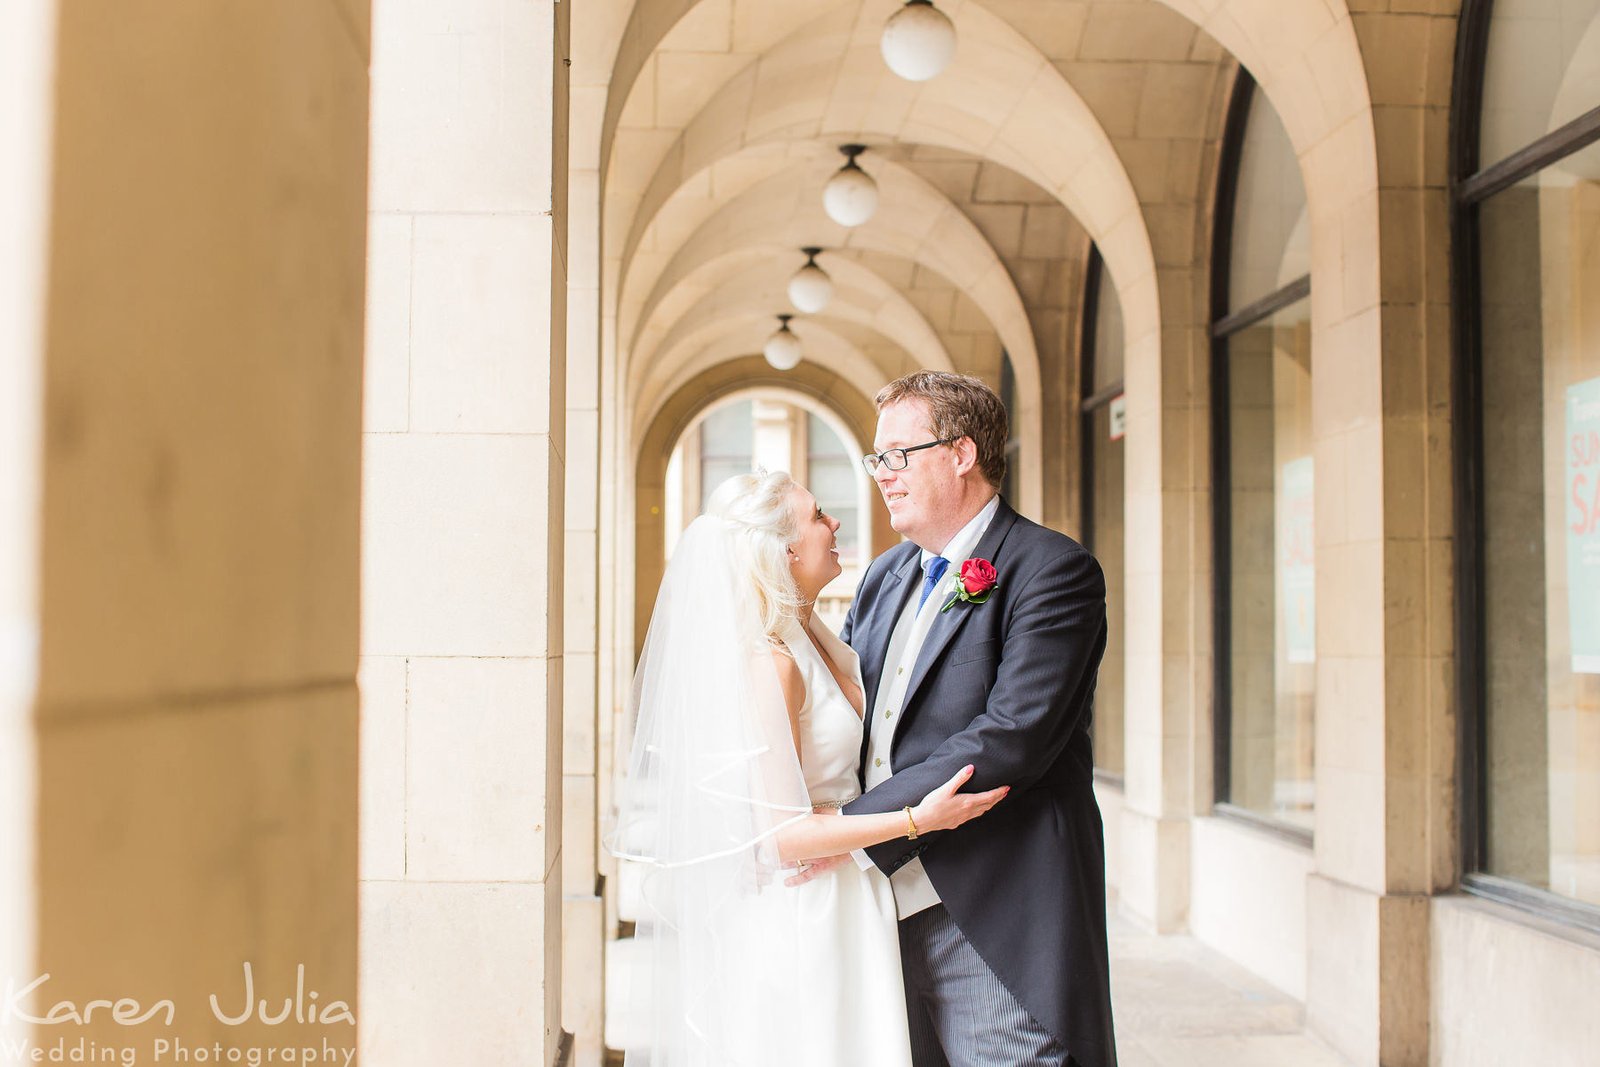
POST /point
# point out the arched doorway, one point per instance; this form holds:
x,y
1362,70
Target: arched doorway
x,y
843,409
774,429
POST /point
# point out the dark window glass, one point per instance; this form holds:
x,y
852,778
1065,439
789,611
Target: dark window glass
x,y
727,446
1265,477
834,478
1104,525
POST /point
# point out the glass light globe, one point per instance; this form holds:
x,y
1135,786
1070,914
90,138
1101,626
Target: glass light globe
x,y
811,288
918,41
851,196
782,348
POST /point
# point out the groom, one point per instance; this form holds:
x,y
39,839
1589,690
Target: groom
x,y
1003,920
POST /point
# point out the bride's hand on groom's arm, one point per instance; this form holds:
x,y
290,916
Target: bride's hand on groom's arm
x,y
947,807
943,809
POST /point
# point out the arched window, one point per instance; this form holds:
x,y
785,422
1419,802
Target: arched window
x,y
1012,484
834,476
1101,479
1262,475
777,430
727,447
1525,185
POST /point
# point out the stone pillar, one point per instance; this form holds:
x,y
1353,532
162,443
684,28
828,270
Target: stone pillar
x,y
463,535
26,58
618,561
1166,542
773,436
693,485
1154,851
1167,570
1385,735
195,715
800,445
583,918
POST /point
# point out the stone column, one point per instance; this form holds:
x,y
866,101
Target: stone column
x,y
1168,576
693,484
1166,541
773,435
26,59
583,911
195,713
1385,735
463,535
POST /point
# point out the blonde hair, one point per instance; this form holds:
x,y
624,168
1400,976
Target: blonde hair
x,y
761,514
959,405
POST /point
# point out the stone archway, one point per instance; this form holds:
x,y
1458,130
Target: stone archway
x,y
1348,89
845,401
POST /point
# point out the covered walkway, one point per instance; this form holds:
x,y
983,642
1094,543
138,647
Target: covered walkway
x,y
360,361
1181,1004
1177,1002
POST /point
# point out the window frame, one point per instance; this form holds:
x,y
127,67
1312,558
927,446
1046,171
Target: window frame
x,y
1012,487
1091,398
863,550
1470,185
699,425
1224,323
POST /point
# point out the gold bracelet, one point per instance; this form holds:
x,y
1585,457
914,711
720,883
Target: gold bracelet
x,y
912,836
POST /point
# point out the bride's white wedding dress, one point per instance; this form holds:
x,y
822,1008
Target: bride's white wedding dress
x,y
851,958
738,969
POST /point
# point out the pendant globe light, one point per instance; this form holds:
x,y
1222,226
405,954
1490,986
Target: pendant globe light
x,y
783,348
810,289
851,196
918,41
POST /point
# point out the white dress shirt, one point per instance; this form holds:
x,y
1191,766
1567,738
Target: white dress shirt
x,y
913,892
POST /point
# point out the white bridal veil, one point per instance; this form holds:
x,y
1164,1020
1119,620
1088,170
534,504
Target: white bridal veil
x,y
712,778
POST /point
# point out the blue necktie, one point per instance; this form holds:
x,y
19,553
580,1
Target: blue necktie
x,y
936,568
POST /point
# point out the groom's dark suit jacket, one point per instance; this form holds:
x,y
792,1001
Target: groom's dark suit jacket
x,y
1006,686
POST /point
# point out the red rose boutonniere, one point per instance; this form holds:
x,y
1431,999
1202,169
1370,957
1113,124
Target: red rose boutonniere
x,y
976,582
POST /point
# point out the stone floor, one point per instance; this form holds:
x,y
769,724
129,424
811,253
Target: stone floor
x,y
1179,1004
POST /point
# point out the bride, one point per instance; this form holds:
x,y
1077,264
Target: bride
x,y
747,742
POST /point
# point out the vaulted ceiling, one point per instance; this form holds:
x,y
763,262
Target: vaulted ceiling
x,y
1057,124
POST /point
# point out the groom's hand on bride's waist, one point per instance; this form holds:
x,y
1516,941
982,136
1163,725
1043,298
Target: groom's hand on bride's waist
x,y
808,871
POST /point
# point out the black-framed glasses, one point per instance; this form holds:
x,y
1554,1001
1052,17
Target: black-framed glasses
x,y
896,458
